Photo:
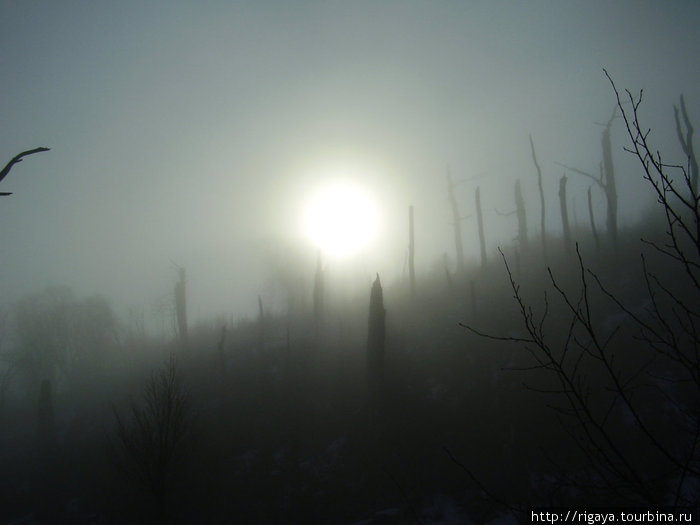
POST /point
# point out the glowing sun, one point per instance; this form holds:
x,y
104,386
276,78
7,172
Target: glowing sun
x,y
341,219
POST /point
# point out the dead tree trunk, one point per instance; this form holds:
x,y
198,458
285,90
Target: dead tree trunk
x,y
522,220
610,185
539,185
318,293
606,180
480,226
457,224
564,214
376,337
590,216
181,306
411,253
261,324
687,144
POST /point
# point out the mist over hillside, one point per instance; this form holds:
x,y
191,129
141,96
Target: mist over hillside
x,y
347,263
197,136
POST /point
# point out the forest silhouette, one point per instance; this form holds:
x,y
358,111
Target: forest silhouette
x,y
562,371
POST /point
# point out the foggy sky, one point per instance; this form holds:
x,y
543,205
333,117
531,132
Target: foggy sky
x,y
192,134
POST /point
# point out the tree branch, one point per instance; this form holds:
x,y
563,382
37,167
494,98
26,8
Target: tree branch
x,y
598,181
18,158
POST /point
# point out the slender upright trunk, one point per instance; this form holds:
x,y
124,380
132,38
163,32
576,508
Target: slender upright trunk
x,y
376,336
411,254
564,214
539,185
457,224
590,216
687,145
610,185
480,225
522,220
318,293
181,307
261,324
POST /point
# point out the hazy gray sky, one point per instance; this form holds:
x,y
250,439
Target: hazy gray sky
x,y
194,132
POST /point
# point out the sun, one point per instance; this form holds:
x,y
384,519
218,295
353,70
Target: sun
x,y
341,219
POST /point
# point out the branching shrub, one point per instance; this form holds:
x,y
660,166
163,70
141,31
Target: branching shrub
x,y
151,442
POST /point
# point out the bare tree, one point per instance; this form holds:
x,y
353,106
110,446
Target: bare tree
x,y
539,185
522,218
606,179
687,142
628,395
411,253
261,325
675,191
564,214
376,336
181,306
480,227
151,442
456,222
591,218
318,293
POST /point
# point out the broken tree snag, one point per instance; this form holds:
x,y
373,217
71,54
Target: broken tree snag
x,y
606,180
480,226
261,325
318,293
411,253
610,185
539,185
522,221
181,306
687,144
457,223
17,159
564,214
590,216
376,337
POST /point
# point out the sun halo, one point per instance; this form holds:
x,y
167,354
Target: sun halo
x,y
341,219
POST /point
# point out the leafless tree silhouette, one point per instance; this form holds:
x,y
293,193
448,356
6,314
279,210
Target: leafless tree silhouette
x,y
628,396
152,441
